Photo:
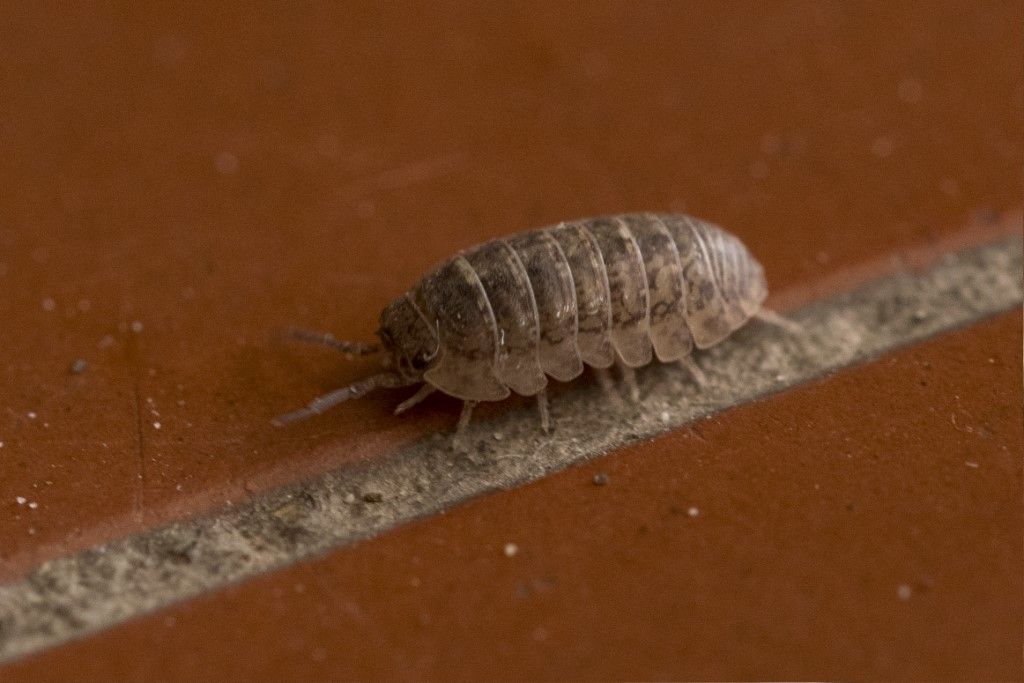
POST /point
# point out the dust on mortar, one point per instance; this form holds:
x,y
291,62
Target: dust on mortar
x,y
590,419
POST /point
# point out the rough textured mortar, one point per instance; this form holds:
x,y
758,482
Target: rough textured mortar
x,y
70,597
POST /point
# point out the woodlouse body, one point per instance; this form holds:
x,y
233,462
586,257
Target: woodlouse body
x,y
504,315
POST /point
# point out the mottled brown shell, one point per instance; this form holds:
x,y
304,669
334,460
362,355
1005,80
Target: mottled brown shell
x,y
504,315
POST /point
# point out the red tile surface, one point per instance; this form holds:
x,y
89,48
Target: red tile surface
x,y
865,527
213,172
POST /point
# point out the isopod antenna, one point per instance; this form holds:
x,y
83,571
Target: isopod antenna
x,y
329,400
327,339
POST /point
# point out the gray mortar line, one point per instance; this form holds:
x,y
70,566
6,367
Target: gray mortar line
x,y
73,596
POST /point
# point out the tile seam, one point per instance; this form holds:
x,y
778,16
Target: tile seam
x,y
73,596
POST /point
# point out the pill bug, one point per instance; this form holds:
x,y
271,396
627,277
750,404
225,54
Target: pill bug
x,y
502,316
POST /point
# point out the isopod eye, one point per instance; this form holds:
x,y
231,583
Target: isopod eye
x,y
419,363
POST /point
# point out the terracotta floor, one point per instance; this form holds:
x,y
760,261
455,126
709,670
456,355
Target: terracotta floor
x,y
179,183
800,538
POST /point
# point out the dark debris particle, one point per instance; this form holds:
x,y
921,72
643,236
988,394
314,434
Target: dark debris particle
x,y
78,366
373,497
600,479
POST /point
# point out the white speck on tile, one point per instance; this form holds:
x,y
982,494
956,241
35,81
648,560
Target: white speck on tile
x,y
31,531
1,444
226,163
49,304
971,464
693,512
169,49
33,505
328,145
32,414
157,425
881,147
910,90
759,169
178,488
137,326
366,209
511,549
20,500
771,144
904,592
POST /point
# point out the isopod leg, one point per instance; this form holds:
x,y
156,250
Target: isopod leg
x,y
425,390
629,378
772,318
604,378
459,441
542,406
690,365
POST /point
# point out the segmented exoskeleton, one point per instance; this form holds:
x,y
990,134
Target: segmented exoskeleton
x,y
504,315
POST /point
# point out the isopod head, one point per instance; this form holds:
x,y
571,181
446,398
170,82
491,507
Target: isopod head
x,y
410,342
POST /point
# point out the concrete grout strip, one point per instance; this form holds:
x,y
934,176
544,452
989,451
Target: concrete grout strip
x,y
73,596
